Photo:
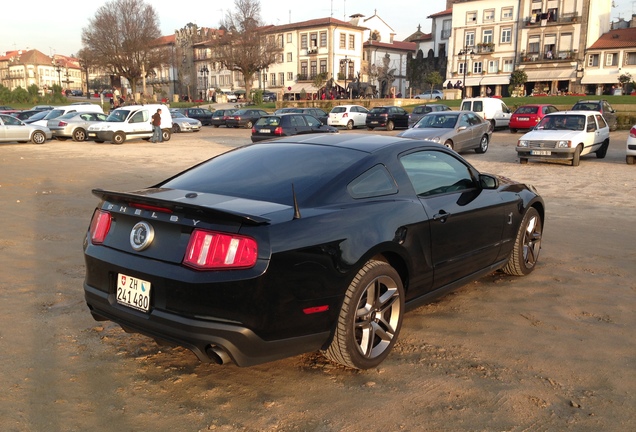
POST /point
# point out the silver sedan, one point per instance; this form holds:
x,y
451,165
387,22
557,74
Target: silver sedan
x,y
74,125
458,130
12,129
181,123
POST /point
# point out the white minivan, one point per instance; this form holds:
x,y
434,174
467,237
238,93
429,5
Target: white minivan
x,y
59,111
129,122
493,110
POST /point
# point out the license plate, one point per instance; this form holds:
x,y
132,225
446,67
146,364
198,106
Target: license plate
x,y
133,292
540,152
524,118
374,122
265,131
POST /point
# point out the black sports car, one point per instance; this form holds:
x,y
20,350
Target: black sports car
x,y
316,242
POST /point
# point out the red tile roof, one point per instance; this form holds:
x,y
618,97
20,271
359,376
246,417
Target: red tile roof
x,y
442,13
619,38
402,46
319,22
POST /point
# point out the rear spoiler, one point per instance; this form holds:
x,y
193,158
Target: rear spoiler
x,y
176,204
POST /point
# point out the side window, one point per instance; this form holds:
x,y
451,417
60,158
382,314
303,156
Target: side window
x,y
87,117
298,121
464,121
311,121
434,172
478,106
139,117
372,183
601,121
591,124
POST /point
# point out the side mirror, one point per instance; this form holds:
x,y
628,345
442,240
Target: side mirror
x,y
488,182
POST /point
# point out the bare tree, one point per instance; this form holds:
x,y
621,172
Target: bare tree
x,y
122,36
246,47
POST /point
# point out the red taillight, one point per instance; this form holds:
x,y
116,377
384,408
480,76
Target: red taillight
x,y
345,115
253,130
278,131
150,208
210,250
100,225
62,123
632,132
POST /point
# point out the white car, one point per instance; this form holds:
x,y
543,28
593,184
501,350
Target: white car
x,y
493,110
130,122
631,146
435,94
348,116
565,136
12,129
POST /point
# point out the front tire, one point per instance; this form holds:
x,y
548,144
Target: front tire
x,y
248,125
602,152
370,318
513,131
576,159
350,125
525,252
483,145
449,144
38,137
492,125
176,128
166,134
629,160
79,135
119,138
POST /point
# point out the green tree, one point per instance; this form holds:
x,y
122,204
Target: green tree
x,y
121,37
517,79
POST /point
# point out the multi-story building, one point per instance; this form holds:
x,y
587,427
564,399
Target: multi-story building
x,y
483,45
553,36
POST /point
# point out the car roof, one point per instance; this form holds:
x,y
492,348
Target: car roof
x,y
354,141
581,112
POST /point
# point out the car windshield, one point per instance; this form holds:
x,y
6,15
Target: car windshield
x,y
438,121
562,122
527,110
266,172
54,114
378,110
39,115
177,114
586,106
118,116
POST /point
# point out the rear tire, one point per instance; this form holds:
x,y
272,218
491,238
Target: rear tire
x,y
370,318
390,126
513,130
248,125
350,125
525,252
492,125
523,161
483,145
369,128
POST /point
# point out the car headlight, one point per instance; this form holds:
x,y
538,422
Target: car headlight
x,y
435,139
522,143
563,144
184,124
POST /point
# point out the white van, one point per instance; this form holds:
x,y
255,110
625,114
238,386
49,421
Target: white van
x,y
129,122
493,110
61,110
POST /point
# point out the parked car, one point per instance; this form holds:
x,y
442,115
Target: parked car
x,y
601,106
74,125
181,123
220,116
77,93
131,122
565,136
276,126
457,130
269,97
528,116
435,94
631,146
421,110
12,129
39,115
493,110
245,117
23,115
390,117
349,116
61,110
43,107
306,243
231,97
201,114
6,109
316,112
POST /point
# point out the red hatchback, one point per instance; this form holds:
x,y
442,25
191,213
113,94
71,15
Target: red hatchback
x,y
528,116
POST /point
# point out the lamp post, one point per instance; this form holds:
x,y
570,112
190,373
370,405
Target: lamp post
x,y
204,73
265,71
465,53
58,69
345,65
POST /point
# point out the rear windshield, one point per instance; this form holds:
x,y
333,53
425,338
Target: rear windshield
x,y
266,171
54,114
379,110
586,106
339,110
527,110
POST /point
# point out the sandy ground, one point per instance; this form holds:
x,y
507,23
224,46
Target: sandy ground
x,y
553,351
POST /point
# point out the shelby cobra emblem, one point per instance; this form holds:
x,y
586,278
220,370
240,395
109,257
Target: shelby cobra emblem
x,y
141,236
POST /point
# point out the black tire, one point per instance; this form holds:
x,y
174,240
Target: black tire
x,y
249,125
513,130
38,137
118,138
525,252
60,138
390,126
350,125
602,152
437,98
369,128
79,134
176,128
629,160
99,141
576,159
449,144
216,126
492,125
370,318
483,145
523,161
166,134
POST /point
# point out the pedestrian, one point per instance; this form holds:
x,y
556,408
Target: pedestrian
x,y
449,85
488,92
156,127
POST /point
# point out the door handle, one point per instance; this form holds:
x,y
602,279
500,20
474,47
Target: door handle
x,y
441,216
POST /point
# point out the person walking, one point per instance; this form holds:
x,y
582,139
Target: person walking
x,y
157,136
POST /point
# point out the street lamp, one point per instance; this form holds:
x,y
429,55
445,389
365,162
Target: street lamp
x,y
265,71
59,71
345,66
204,73
465,53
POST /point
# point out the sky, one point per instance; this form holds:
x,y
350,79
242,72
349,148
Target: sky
x,y
58,30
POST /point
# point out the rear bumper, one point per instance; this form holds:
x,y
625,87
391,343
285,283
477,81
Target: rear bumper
x,y
244,347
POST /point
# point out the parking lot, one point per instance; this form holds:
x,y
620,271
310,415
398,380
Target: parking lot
x,y
553,351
